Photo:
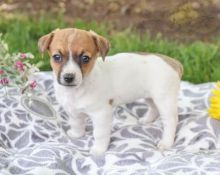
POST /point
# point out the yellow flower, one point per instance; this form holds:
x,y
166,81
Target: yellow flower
x,y
214,109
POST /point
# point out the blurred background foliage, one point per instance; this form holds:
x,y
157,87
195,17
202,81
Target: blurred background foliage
x,y
187,30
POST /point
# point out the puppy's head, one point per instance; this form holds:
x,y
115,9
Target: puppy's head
x,y
73,53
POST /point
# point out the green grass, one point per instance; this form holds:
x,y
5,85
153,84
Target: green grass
x,y
201,60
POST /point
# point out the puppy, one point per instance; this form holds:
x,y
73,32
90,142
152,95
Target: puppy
x,y
87,86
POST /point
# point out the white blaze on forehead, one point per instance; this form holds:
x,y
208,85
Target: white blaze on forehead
x,y
70,40
70,66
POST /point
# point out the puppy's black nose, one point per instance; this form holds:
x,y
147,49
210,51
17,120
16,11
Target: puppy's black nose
x,y
69,78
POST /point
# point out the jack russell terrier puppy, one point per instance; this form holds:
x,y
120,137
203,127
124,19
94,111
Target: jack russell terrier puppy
x,y
87,86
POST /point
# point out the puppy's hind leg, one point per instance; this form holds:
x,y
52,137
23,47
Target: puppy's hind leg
x,y
151,114
167,107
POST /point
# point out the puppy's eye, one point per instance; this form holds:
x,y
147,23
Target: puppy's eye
x,y
57,58
85,59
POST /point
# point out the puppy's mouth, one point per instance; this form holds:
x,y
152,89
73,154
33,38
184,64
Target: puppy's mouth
x,y
69,85
66,84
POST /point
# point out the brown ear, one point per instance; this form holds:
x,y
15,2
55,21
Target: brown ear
x,y
44,42
101,43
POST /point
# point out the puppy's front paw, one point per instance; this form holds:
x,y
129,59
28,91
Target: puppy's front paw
x,y
165,144
97,151
75,134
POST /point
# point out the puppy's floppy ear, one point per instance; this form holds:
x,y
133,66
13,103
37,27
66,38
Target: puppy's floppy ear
x,y
101,43
44,41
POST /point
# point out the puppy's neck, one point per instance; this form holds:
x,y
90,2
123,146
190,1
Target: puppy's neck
x,y
91,77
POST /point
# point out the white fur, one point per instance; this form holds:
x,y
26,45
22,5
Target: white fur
x,y
124,78
71,68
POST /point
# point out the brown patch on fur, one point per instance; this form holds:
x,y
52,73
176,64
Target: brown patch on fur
x,y
111,101
79,42
175,64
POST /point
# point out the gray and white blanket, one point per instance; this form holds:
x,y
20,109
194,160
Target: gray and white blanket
x,y
33,138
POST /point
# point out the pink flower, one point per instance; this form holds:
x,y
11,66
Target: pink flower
x,y
1,72
4,81
23,55
19,65
33,84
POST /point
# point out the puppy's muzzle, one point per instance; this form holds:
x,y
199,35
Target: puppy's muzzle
x,y
68,78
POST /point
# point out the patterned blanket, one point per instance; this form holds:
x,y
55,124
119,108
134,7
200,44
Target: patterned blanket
x,y
33,138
